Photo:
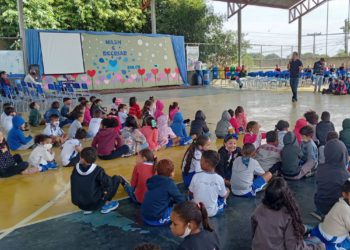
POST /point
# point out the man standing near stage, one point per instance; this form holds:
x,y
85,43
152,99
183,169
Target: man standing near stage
x,y
295,66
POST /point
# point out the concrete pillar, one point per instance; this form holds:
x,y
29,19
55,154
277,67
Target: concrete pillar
x,y
22,34
153,17
300,31
239,36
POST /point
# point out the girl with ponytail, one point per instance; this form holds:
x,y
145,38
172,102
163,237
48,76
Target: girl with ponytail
x,y
191,161
277,223
187,219
144,169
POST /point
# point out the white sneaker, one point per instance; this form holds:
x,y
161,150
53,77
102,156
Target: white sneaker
x,y
87,212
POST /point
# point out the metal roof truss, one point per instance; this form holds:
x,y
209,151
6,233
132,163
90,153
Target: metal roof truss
x,y
303,8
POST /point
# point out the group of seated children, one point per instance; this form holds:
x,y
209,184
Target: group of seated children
x,y
338,86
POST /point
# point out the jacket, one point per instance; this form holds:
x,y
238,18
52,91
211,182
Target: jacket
x,y
276,233
322,130
142,172
105,141
87,116
223,125
234,124
242,120
15,137
135,110
224,167
178,125
162,193
268,155
135,140
198,125
51,112
40,155
331,175
6,160
290,155
91,187
34,117
151,135
298,125
344,135
164,131
159,109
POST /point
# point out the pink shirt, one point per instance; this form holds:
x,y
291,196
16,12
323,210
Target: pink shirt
x,y
234,124
151,136
242,120
172,113
87,116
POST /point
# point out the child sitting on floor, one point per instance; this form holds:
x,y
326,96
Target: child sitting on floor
x,y
243,170
91,188
134,109
207,186
11,164
253,134
330,136
241,118
344,135
95,124
146,110
53,110
173,109
310,152
276,223
53,130
300,123
191,161
199,126
76,125
6,121
269,155
122,113
179,129
324,127
341,88
71,149
34,115
144,169
159,110
15,138
233,121
166,136
42,157
97,105
334,230
150,131
161,195
190,221
282,128
290,156
132,136
223,126
87,112
228,153
331,176
107,141
312,119
115,103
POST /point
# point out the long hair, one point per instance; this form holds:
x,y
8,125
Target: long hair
x,y
146,108
278,195
150,157
189,211
189,154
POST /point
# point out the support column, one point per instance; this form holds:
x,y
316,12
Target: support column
x,y
153,17
239,36
300,31
22,34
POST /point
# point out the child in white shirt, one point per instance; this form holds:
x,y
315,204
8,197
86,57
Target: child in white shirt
x,y
243,170
42,157
76,125
207,186
6,118
122,113
95,124
71,149
53,130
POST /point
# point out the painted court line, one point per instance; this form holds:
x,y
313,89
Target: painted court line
x,y
36,213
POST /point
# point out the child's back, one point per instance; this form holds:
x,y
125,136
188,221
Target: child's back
x,y
142,172
94,126
322,130
73,128
198,125
34,117
151,135
68,150
16,137
290,155
344,135
178,125
223,125
309,150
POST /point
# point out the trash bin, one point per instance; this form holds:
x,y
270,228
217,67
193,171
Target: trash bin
x,y
206,77
199,80
215,72
232,71
221,73
227,73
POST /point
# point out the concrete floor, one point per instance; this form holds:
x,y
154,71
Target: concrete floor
x,y
40,197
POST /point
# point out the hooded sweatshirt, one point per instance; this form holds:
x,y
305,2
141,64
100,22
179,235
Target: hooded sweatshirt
x,y
91,187
299,124
198,125
159,109
162,192
290,155
223,125
331,175
322,130
178,125
164,131
16,138
344,135
104,141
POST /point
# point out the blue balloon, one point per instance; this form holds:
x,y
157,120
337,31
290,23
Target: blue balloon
x,y
109,76
126,59
123,72
101,60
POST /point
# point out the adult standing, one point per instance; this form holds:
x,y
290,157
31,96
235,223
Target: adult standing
x,y
198,69
31,77
319,67
295,66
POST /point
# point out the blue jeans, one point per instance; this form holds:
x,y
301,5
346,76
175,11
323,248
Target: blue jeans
x,y
318,82
162,221
123,150
294,83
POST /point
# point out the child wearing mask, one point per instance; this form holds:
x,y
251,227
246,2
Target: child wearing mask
x,y
190,221
207,186
42,157
71,149
53,130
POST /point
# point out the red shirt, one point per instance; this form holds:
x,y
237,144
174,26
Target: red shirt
x,y
234,124
151,136
135,111
142,172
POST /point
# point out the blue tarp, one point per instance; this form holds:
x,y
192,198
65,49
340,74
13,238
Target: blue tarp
x,y
35,56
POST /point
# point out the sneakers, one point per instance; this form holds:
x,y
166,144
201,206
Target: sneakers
x,y
129,190
127,155
52,165
87,212
112,205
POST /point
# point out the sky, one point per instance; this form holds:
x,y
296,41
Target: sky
x,y
271,26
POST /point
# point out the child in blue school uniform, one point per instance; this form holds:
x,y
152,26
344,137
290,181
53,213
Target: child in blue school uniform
x,y
161,195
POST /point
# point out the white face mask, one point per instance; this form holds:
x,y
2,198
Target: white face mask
x,y
125,111
48,146
186,233
56,124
